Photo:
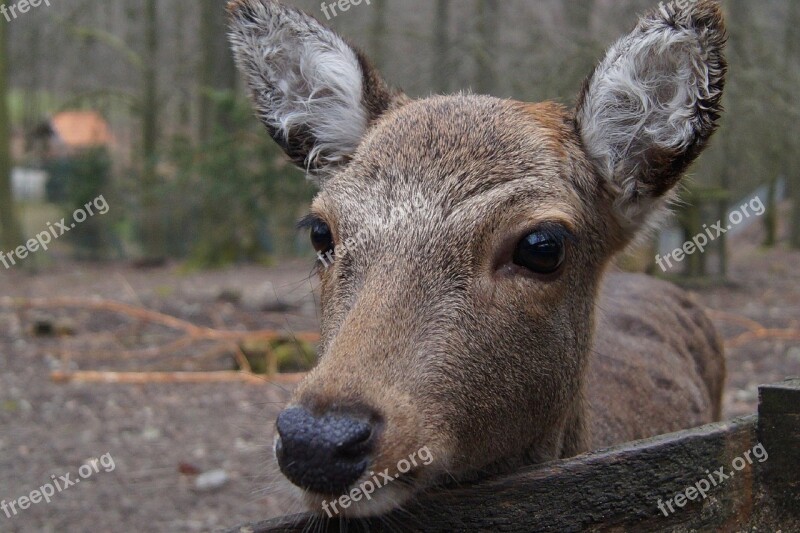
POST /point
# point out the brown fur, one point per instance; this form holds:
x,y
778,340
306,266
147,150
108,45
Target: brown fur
x,y
430,325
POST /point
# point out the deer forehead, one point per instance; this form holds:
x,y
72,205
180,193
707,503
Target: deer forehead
x,y
460,158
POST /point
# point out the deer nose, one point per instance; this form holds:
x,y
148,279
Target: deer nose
x,y
324,454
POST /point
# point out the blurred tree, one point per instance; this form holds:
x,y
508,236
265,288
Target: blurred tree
x,y
32,114
485,51
11,235
378,34
530,50
790,93
233,198
581,60
89,177
217,69
737,58
441,67
183,92
152,235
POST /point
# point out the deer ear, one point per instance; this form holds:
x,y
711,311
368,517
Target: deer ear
x,y
316,94
652,104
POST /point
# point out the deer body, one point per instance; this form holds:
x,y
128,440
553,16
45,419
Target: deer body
x,y
483,326
656,366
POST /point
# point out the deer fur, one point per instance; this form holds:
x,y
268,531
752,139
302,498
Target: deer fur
x,y
428,323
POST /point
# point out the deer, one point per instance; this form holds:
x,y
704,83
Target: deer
x,y
490,328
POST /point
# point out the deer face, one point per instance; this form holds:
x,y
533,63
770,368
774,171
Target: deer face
x,y
463,239
464,287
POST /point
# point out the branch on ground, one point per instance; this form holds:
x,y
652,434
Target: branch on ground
x,y
192,334
755,331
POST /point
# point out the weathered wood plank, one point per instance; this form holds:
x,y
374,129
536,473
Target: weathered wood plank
x,y
620,488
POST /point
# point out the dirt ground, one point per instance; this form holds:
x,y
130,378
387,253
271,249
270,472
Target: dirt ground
x,y
161,436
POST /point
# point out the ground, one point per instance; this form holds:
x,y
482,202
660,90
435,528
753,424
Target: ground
x,y
161,435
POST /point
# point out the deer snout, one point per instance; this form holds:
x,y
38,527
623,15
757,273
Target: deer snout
x,y
323,454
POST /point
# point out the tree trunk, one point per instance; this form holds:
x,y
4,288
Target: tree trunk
x,y
183,70
9,228
442,66
578,15
217,70
791,155
32,107
486,51
771,214
152,234
739,11
206,71
378,35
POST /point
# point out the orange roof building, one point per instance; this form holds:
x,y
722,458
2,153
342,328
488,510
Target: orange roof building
x,y
76,130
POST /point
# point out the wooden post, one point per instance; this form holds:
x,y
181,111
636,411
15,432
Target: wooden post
x,y
779,432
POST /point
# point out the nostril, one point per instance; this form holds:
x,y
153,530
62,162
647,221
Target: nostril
x,y
324,454
358,443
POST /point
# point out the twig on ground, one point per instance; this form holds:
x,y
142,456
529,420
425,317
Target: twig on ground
x,y
154,317
764,334
226,339
755,331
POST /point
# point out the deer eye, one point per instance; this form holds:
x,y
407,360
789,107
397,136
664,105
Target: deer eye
x,y
321,237
542,252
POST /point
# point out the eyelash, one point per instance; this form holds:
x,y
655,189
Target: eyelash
x,y
309,221
555,231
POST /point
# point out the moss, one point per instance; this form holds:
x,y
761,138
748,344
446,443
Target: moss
x,y
291,356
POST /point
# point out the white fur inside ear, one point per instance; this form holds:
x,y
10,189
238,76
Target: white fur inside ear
x,y
305,80
644,99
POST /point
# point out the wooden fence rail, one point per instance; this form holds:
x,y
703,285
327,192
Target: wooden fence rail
x,y
620,488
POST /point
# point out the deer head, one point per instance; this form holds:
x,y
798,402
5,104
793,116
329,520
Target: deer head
x,y
464,240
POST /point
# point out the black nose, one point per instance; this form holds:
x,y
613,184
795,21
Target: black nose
x,y
324,454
